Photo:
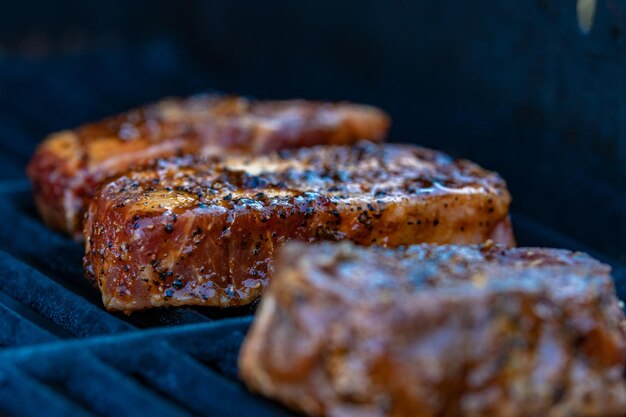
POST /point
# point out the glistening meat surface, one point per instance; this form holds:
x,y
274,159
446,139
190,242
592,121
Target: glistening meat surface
x,y
205,232
68,166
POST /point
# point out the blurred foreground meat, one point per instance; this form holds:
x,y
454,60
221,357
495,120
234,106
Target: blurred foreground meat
x,y
68,166
205,232
459,331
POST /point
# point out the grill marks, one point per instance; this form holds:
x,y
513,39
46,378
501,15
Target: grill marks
x,y
246,207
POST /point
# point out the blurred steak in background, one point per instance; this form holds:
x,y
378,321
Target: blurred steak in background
x,y
68,166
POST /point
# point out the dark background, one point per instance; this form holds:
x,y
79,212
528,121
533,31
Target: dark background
x,y
514,85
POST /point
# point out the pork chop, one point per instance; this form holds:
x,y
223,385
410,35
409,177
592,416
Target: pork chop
x,y
204,232
436,331
68,166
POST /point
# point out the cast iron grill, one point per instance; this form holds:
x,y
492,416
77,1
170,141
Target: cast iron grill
x,y
62,353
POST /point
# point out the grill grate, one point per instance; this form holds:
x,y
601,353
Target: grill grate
x,y
169,372
61,352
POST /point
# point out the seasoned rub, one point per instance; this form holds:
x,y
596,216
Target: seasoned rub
x,y
69,165
434,331
205,232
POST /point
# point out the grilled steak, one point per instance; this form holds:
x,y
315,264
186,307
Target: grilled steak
x,y
193,232
68,166
433,331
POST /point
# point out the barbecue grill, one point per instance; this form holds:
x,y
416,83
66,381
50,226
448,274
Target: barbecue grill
x,y
521,89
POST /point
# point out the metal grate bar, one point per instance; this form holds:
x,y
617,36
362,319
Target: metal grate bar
x,y
22,395
98,373
221,354
97,386
179,376
68,310
16,330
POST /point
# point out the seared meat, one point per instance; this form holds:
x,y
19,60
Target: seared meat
x,y
193,232
432,331
68,166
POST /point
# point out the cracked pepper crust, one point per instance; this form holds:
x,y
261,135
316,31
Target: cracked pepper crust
x,y
68,166
434,331
189,232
